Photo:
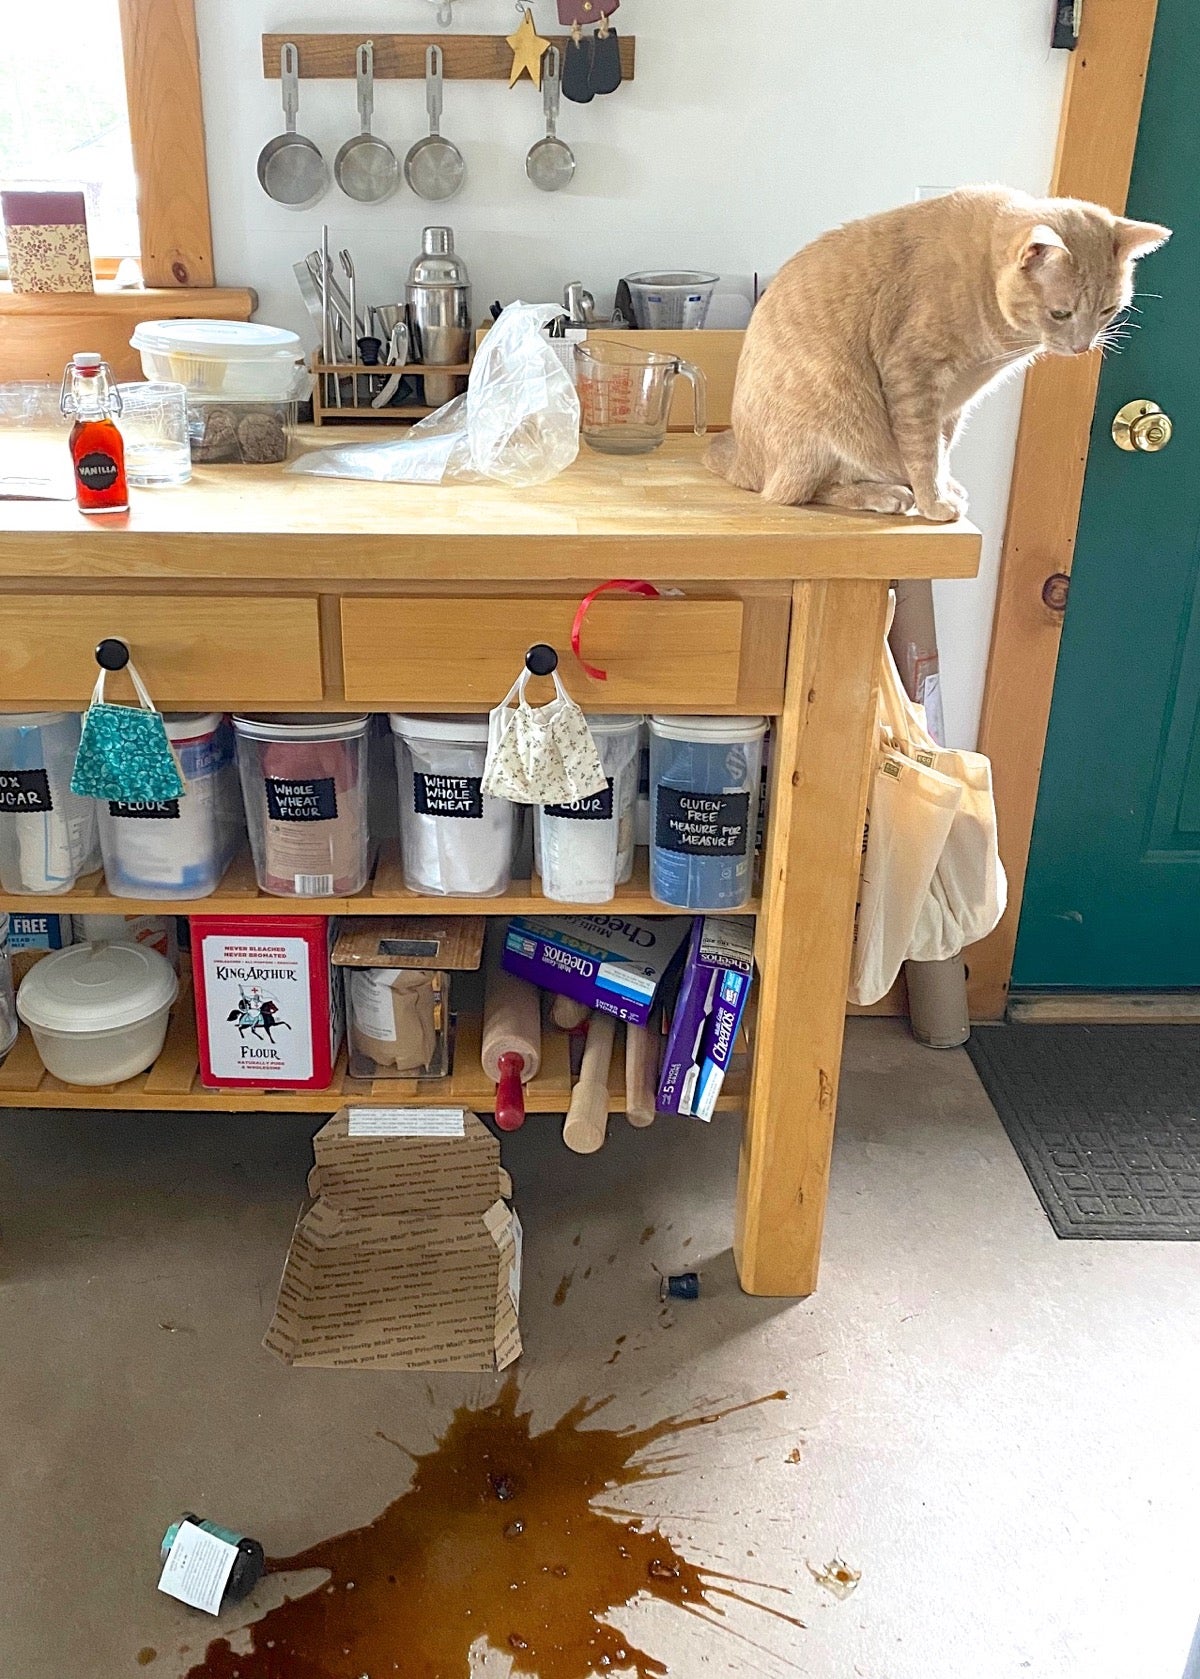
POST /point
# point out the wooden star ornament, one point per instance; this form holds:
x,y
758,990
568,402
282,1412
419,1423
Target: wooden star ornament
x,y
529,48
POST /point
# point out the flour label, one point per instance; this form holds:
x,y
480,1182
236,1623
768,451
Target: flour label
x,y
598,808
702,824
259,1006
313,800
448,795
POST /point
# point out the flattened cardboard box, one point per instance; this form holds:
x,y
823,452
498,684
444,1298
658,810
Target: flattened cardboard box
x,y
407,1257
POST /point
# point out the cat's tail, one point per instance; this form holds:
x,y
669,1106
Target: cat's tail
x,y
719,456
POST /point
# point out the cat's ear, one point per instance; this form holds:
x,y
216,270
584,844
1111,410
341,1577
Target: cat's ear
x,y
1041,246
1132,240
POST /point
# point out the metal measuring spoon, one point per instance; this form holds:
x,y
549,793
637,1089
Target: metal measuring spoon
x,y
291,169
550,163
434,167
366,168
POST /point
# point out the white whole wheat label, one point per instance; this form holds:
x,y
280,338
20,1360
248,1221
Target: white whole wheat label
x,y
197,1568
406,1122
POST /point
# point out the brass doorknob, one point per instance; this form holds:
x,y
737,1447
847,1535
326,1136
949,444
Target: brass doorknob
x,y
1141,425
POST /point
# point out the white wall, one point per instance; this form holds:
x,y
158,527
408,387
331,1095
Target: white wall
x,y
751,126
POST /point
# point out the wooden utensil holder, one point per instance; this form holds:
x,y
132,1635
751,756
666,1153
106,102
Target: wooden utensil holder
x,y
357,376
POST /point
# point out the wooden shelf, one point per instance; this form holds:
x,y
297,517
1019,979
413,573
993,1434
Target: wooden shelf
x,y
465,57
173,1083
384,894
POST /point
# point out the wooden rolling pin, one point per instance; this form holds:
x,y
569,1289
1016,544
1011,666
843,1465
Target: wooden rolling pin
x,y
641,1074
512,1042
586,1124
567,1014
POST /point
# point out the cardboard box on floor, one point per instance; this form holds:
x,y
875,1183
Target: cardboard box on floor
x,y
407,1256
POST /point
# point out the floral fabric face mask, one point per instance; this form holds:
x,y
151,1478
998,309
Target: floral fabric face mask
x,y
541,755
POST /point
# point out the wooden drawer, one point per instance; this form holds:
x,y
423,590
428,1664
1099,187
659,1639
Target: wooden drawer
x,y
463,652
211,650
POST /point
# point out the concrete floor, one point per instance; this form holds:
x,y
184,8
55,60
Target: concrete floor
x,y
997,1428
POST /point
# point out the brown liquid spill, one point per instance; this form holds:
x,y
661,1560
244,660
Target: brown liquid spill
x,y
645,1235
146,1656
496,1539
617,1345
577,1238
563,1289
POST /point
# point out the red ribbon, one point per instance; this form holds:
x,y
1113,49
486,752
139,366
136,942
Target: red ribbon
x,y
628,586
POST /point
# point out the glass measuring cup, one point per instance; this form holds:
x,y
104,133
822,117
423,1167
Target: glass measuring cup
x,y
625,396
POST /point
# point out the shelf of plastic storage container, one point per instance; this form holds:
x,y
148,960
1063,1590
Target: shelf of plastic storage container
x,y
384,894
173,1083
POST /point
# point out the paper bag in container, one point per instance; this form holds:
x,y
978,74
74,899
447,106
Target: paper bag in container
x,y
408,1256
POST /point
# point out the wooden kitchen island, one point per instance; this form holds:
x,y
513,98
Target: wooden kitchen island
x,y
249,589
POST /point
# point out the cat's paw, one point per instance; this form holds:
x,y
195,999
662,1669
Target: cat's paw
x,y
954,493
938,512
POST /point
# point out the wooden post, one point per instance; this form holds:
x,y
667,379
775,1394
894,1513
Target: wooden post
x,y
166,126
819,765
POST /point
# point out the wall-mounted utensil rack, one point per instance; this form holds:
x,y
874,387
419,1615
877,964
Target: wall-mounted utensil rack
x,y
358,376
469,58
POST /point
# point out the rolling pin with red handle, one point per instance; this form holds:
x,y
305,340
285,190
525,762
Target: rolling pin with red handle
x,y
586,1124
512,1042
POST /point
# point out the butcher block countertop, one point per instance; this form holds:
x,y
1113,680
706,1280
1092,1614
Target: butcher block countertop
x,y
258,521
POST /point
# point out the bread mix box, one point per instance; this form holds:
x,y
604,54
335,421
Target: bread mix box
x,y
268,1001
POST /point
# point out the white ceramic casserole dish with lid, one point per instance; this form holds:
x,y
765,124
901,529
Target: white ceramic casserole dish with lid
x,y
98,1012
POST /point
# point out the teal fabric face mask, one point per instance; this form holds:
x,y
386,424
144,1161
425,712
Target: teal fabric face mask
x,y
124,753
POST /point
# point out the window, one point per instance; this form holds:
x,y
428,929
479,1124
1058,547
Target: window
x,y
63,115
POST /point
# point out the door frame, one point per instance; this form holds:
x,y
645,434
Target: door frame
x,y
1097,134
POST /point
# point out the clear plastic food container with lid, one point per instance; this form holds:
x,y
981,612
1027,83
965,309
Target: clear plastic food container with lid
x,y
239,360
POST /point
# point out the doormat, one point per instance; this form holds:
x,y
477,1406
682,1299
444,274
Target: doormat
x,y
1105,1121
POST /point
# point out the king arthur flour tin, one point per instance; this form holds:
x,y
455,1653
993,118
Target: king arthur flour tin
x,y
268,1001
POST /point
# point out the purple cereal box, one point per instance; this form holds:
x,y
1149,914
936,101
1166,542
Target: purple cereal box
x,y
614,963
708,1010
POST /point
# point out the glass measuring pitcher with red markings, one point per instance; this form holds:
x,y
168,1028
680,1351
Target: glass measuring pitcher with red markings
x,y
625,395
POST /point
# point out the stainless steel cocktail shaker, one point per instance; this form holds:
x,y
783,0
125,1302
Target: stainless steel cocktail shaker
x,y
439,311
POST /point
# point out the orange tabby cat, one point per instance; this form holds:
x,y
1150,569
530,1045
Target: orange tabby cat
x,y
870,345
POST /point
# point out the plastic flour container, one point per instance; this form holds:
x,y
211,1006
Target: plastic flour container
x,y
455,840
304,781
704,792
178,848
48,836
585,849
241,360
98,1013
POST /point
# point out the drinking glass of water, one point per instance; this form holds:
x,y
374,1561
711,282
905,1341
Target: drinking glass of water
x,y
153,424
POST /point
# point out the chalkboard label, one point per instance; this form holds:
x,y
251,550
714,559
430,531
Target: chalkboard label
x,y
448,795
146,810
301,801
23,790
97,471
598,808
702,824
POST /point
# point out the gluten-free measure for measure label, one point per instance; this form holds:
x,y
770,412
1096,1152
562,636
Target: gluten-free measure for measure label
x,y
701,824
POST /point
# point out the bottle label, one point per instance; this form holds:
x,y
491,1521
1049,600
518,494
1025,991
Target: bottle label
x,y
448,795
702,824
22,790
96,471
597,808
302,801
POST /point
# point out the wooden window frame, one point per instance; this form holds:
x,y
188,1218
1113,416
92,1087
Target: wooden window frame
x,y
1098,133
40,330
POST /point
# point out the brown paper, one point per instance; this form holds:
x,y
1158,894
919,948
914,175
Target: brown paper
x,y
406,1258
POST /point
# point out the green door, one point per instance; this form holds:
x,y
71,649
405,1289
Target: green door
x,y
1112,898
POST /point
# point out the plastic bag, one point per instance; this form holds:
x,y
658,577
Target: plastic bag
x,y
517,423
